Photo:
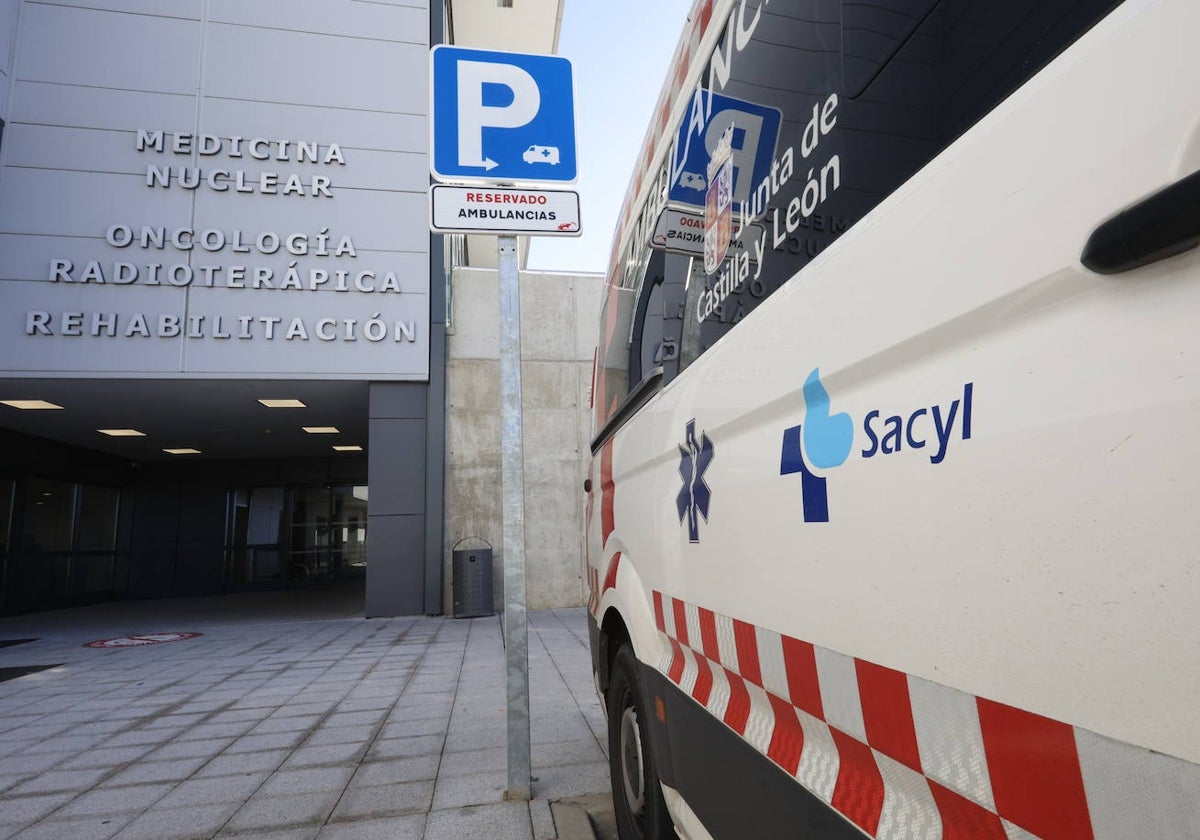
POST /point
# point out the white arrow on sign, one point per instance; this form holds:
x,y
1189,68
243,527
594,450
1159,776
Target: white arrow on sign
x,y
474,116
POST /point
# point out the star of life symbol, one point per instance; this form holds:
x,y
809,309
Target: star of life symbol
x,y
692,501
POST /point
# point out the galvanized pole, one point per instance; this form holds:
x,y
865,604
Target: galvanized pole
x,y
512,473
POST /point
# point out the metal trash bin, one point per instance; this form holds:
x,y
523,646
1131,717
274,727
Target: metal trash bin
x,y
472,579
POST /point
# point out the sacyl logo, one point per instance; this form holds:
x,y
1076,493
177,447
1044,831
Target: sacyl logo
x,y
824,440
692,501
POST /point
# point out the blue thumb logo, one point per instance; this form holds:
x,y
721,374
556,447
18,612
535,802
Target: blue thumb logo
x,y
827,438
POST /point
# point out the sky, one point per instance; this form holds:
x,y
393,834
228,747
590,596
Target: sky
x,y
619,51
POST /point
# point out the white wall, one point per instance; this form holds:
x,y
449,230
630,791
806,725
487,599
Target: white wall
x,y
348,76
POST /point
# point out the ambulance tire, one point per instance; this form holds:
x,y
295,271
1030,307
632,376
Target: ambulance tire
x,y
638,801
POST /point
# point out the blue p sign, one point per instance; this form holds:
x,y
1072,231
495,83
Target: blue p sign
x,y
502,116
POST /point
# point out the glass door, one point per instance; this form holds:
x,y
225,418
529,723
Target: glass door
x,y
254,546
329,532
349,515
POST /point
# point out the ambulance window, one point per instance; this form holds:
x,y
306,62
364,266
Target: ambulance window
x,y
872,32
835,104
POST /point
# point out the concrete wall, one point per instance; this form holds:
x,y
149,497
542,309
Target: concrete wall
x,y
559,326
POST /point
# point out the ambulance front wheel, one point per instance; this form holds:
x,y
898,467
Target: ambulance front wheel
x,y
637,796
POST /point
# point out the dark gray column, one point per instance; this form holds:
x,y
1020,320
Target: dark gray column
x,y
435,458
396,538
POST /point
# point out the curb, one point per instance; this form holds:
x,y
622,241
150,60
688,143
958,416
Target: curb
x,y
585,817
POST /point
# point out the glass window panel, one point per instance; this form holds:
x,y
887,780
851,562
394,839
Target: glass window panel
x,y
92,574
6,500
97,527
49,513
265,516
349,537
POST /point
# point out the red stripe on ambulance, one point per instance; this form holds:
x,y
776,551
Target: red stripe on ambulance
x,y
909,757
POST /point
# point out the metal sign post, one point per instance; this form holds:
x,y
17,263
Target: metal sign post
x,y
497,143
512,480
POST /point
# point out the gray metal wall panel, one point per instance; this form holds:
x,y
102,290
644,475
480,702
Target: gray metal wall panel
x,y
93,74
398,401
397,467
395,569
435,479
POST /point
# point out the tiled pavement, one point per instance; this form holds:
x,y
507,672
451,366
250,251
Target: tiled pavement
x,y
277,726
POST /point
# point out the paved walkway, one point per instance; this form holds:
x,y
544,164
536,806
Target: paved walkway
x,y
287,719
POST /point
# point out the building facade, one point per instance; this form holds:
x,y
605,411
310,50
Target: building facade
x,y
222,316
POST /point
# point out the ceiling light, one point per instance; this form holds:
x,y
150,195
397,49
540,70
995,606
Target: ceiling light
x,y
182,451
321,430
121,432
30,404
348,448
283,404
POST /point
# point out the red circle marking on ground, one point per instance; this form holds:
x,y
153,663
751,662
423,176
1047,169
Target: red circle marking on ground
x,y
140,640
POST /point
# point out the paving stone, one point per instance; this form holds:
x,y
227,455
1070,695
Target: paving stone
x,y
469,762
65,744
294,833
571,780
368,718
504,821
61,780
327,754
270,811
105,757
384,801
174,721
196,822
38,732
100,827
340,735
478,738
22,810
542,820
325,779
120,800
259,743
240,763
207,731
304,708
476,789
410,827
29,764
189,749
409,728
400,770
206,791
405,747
301,723
138,737
578,751
144,772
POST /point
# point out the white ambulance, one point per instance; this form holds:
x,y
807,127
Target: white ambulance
x,y
894,517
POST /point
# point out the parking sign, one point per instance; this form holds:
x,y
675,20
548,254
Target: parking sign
x,y
498,116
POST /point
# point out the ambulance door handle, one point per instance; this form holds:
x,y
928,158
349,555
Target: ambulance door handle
x,y
1164,225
